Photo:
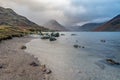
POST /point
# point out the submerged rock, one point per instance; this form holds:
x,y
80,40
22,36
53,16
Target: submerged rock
x,y
75,46
83,47
73,34
78,46
103,41
112,62
45,37
62,34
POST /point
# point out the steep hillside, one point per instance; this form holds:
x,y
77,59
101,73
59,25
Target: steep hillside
x,y
112,25
86,27
89,26
11,18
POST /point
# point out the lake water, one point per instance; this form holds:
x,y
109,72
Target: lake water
x,y
69,63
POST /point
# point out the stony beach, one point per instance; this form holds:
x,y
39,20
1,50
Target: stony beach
x,y
16,64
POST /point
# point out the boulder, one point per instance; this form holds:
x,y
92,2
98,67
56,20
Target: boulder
x,y
55,34
52,39
75,46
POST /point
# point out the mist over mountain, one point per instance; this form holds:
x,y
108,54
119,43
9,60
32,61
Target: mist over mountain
x,y
89,26
54,25
86,27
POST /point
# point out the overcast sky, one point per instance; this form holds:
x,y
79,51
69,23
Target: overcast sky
x,y
67,12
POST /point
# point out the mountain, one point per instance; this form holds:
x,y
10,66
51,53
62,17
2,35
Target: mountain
x,y
54,25
86,27
112,25
89,26
11,18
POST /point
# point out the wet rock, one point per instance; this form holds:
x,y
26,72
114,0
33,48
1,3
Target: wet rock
x,y
23,47
75,46
78,46
112,62
34,64
52,39
55,34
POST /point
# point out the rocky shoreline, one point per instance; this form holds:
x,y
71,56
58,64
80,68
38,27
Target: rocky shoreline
x,y
16,64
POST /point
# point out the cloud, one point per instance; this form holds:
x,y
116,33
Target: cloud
x,y
67,12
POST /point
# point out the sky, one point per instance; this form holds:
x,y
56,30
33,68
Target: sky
x,y
67,12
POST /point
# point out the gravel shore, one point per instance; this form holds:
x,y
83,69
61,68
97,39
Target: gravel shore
x,y
16,64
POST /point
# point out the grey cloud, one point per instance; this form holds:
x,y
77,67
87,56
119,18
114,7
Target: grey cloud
x,y
69,12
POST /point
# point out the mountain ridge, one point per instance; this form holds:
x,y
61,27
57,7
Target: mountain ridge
x,y
86,27
111,25
54,25
11,18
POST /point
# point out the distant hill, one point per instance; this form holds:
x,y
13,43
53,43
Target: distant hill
x,y
11,18
89,26
86,27
54,25
112,25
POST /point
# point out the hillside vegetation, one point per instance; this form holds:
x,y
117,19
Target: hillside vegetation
x,y
8,32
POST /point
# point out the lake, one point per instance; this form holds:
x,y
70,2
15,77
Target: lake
x,y
88,63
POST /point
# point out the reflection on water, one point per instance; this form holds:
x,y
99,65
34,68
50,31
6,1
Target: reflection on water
x,y
69,63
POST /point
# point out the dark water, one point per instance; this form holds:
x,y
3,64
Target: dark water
x,y
69,63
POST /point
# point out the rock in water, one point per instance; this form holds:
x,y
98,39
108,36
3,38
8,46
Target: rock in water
x,y
55,34
52,39
75,46
110,61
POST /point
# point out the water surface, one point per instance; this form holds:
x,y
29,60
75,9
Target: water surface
x,y
69,63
